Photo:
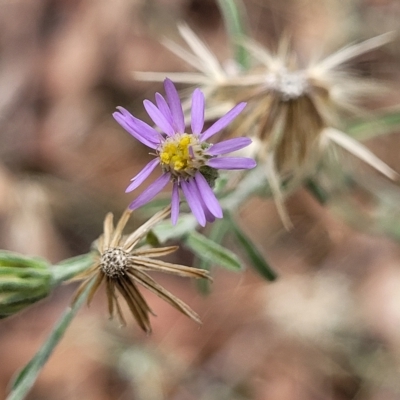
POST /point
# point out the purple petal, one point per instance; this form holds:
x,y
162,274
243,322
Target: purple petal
x,y
209,217
223,121
150,192
142,175
175,204
232,163
197,111
190,191
175,106
137,128
140,126
164,108
208,195
228,146
158,117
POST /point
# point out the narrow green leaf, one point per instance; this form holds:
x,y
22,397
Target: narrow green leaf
x,y
208,250
11,259
28,375
23,284
11,303
255,257
216,234
234,16
381,125
17,274
165,230
317,190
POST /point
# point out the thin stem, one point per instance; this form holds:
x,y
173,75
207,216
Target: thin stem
x,y
234,16
28,375
71,267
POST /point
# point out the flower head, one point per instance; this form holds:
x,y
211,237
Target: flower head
x,y
186,159
293,112
121,264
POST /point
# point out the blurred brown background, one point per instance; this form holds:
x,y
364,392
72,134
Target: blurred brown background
x,y
329,328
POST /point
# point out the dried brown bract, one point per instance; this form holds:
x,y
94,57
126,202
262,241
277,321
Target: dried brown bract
x,y
122,265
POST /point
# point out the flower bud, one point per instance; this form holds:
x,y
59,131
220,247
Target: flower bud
x,y
23,281
210,174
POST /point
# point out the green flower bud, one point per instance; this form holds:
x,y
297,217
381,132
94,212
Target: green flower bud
x,y
152,239
23,281
210,174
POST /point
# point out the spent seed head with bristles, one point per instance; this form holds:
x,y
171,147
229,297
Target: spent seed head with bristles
x,y
122,264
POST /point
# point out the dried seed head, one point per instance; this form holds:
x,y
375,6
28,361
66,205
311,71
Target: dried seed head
x,y
287,84
114,262
122,267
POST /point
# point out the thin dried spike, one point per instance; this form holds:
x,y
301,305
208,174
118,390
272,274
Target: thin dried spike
x,y
137,297
301,139
85,274
108,230
133,239
284,48
280,137
155,252
117,306
177,77
361,152
259,52
205,56
137,313
149,283
347,53
275,183
324,109
176,269
79,291
135,309
95,286
288,148
119,228
275,122
131,288
185,55
110,296
100,244
247,80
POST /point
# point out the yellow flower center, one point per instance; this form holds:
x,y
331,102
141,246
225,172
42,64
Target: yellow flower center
x,y
174,153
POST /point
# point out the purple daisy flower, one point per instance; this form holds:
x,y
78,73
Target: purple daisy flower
x,y
186,159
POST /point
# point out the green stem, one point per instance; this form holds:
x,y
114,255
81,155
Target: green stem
x,y
71,267
28,375
216,234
